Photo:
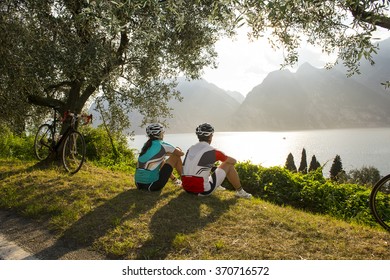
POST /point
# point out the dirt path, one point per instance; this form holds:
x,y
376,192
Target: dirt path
x,y
22,238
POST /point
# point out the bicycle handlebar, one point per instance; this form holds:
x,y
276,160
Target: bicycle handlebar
x,y
85,118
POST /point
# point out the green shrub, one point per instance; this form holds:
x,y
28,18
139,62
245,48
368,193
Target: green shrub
x,y
249,176
14,146
279,186
355,204
315,194
310,192
102,152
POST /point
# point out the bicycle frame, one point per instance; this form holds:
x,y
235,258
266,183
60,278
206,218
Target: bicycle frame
x,y
55,144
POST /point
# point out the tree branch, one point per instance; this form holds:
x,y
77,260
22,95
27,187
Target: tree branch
x,y
45,101
369,17
57,86
122,47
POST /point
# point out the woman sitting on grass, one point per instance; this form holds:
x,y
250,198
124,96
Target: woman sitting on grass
x,y
153,171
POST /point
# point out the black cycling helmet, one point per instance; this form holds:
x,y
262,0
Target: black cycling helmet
x,y
154,130
204,130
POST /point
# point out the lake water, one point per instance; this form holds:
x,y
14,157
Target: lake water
x,y
356,147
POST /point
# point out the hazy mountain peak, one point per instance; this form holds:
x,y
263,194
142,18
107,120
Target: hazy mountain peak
x,y
278,74
306,68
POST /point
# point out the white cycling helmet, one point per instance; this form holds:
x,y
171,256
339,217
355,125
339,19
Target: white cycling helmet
x,y
204,129
154,130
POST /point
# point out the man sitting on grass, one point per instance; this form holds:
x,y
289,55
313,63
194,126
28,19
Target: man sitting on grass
x,y
198,176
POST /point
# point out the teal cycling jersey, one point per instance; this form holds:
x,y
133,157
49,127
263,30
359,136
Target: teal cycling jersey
x,y
149,164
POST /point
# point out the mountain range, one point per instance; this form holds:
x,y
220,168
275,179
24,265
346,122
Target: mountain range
x,y
310,98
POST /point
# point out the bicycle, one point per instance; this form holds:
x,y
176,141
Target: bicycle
x,y
71,144
380,202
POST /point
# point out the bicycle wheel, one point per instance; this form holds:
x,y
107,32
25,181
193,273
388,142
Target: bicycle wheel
x,y
42,142
380,202
73,152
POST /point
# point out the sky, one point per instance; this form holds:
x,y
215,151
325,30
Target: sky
x,y
242,64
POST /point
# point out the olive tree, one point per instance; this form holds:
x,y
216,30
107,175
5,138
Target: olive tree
x,y
128,52
63,52
367,175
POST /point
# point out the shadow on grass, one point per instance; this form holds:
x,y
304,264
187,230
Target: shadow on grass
x,y
15,170
99,221
19,169
183,215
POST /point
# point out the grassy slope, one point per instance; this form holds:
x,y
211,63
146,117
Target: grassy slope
x,y
102,209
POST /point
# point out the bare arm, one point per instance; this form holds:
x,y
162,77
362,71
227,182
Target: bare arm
x,y
230,160
178,152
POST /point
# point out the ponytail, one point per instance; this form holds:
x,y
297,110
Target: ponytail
x,y
147,145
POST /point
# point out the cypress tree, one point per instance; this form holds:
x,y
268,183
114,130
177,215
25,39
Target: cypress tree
x,y
336,169
314,164
290,165
303,164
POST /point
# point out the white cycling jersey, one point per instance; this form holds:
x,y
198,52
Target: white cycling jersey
x,y
197,165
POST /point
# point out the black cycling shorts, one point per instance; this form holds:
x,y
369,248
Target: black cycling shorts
x,y
165,173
